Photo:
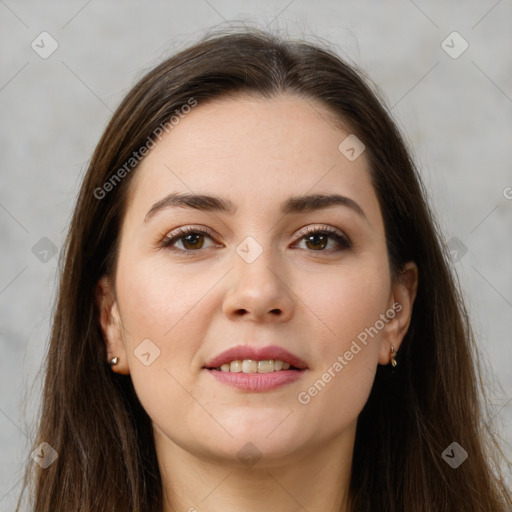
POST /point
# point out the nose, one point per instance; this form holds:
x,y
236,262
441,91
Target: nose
x,y
260,291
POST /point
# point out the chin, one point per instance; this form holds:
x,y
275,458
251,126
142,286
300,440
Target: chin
x,y
256,452
254,422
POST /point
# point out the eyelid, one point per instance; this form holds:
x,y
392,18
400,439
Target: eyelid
x,y
185,230
320,227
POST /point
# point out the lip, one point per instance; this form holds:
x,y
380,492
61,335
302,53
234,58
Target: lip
x,y
241,352
257,382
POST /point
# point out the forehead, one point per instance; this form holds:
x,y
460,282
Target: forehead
x,y
248,148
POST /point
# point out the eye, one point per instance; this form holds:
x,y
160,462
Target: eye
x,y
191,238
316,238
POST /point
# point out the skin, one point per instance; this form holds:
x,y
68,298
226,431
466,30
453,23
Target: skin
x,y
305,296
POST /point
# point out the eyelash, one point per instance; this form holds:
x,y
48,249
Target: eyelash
x,y
180,233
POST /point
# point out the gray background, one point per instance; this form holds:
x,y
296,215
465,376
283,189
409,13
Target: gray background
x,y
455,113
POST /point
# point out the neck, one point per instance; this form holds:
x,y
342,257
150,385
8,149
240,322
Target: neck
x,y
316,481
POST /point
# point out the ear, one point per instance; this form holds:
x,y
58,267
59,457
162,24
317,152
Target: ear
x,y
111,326
400,304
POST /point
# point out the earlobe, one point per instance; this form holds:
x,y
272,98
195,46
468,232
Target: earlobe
x,y
402,301
110,324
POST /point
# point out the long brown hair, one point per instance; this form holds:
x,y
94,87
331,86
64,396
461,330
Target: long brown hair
x,y
92,417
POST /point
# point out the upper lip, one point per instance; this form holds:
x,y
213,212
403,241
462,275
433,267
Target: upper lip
x,y
241,352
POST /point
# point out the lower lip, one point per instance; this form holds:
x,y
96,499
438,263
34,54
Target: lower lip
x,y
257,382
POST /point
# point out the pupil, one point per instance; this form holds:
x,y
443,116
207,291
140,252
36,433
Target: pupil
x,y
189,237
315,237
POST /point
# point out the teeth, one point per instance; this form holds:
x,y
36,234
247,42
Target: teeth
x,y
249,366
235,366
266,366
253,366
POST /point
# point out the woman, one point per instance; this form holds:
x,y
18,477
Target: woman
x,y
255,309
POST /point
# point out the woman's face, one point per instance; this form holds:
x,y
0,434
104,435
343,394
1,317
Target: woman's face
x,y
273,269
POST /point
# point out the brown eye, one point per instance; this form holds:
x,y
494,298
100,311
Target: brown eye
x,y
192,240
316,239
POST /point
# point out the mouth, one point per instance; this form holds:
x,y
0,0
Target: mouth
x,y
244,378
256,369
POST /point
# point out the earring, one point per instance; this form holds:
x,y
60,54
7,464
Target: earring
x,y
393,360
114,361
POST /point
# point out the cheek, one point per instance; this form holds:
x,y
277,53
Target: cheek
x,y
346,305
163,307
158,314
157,301
348,309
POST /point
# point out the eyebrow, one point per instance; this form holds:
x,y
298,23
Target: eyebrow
x,y
293,205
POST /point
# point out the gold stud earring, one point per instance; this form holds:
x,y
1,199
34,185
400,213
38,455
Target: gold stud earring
x,y
114,361
393,360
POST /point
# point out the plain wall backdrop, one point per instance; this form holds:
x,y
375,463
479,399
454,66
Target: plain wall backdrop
x,y
65,66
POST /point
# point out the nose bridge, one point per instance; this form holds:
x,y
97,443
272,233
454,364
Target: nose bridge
x,y
257,263
258,281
